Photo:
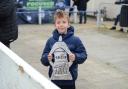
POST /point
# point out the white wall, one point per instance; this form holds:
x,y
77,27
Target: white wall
x,y
112,9
15,73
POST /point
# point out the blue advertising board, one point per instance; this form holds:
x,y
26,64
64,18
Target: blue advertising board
x,y
35,4
32,6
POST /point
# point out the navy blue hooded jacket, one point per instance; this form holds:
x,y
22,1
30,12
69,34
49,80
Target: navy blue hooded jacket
x,y
75,45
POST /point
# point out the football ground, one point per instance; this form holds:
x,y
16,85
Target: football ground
x,y
107,63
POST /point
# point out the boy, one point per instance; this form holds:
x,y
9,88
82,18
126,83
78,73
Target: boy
x,y
78,53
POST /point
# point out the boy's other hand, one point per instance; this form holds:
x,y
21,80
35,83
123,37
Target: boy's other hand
x,y
72,57
50,57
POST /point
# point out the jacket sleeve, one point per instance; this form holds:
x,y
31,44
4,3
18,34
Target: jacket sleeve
x,y
80,52
44,57
122,2
87,0
117,2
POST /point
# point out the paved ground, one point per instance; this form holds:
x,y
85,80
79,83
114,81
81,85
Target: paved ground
x,y
107,63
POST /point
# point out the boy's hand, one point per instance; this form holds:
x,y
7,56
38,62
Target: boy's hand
x,y
72,57
50,57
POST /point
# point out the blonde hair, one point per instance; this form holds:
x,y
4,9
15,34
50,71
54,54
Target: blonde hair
x,y
61,14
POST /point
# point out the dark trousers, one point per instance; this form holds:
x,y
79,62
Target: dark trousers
x,y
67,86
117,19
82,15
71,11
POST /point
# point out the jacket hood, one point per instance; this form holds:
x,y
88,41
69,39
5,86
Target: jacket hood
x,y
70,32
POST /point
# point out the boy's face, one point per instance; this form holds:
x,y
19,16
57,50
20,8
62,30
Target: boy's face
x,y
61,25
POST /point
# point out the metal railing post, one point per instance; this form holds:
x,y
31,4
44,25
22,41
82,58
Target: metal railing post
x,y
98,17
75,14
39,16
